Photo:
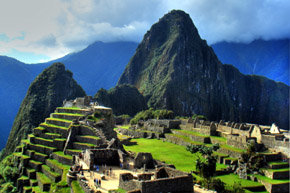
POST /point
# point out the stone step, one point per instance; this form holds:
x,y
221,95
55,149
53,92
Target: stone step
x,y
73,151
31,173
62,131
33,182
38,130
67,116
278,165
83,146
49,135
63,158
27,189
89,139
58,122
40,157
35,165
53,176
272,157
22,181
73,111
277,174
42,141
43,182
41,148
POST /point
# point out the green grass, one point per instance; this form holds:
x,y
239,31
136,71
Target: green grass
x,y
40,128
61,154
186,139
23,178
271,181
75,150
278,163
35,162
231,178
222,139
168,152
43,178
44,139
70,114
54,126
125,126
54,174
36,189
43,146
53,134
74,108
87,144
20,154
190,133
90,137
279,170
58,119
231,148
76,187
60,139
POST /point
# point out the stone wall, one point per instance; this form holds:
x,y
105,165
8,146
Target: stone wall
x,y
106,156
144,159
167,123
180,184
237,141
281,145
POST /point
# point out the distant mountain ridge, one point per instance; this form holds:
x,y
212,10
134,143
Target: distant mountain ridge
x,y
266,58
101,64
98,66
175,69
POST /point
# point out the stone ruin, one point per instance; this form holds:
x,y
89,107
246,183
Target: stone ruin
x,y
163,179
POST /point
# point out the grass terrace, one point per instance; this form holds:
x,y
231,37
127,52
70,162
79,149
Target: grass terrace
x,y
58,119
231,178
61,154
43,178
54,126
186,139
168,152
76,187
69,114
68,108
271,181
190,133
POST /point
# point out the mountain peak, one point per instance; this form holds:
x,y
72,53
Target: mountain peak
x,y
175,69
46,92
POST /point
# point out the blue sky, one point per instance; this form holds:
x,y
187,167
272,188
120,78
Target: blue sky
x,y
37,30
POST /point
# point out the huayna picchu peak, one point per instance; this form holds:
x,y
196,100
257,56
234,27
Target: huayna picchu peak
x,y
46,92
175,69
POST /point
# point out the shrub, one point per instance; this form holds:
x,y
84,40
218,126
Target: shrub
x,y
152,114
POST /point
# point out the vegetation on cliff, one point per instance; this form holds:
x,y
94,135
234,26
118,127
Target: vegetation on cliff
x,y
46,92
175,69
123,99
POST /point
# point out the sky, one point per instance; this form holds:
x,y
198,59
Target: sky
x,y
35,31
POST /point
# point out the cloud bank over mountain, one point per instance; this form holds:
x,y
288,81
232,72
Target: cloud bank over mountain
x,y
50,29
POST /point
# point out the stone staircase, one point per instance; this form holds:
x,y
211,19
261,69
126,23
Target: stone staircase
x,y
276,175
43,162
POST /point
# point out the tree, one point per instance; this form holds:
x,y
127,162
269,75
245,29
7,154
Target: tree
x,y
206,161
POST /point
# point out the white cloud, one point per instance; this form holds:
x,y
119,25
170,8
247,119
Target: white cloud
x,y
57,27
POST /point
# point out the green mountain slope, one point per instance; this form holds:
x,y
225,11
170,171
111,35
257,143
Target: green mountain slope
x,y
175,69
123,99
46,92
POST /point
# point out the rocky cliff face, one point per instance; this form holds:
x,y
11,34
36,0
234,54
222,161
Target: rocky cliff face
x,y
175,69
46,92
123,99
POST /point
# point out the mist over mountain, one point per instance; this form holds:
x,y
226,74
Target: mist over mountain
x,y
175,69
